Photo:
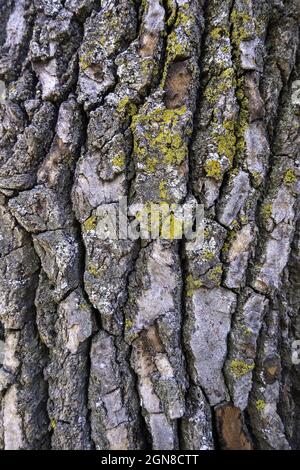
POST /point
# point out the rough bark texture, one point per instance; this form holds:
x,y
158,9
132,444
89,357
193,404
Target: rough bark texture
x,y
120,344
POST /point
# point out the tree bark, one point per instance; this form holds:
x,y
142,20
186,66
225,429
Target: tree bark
x,y
156,344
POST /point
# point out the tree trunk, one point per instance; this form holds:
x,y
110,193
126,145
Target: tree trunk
x,y
124,343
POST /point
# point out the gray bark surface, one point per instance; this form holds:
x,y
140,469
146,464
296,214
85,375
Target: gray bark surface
x,y
157,344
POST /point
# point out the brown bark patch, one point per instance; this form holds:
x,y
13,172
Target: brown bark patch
x,y
231,429
154,341
272,369
148,45
177,84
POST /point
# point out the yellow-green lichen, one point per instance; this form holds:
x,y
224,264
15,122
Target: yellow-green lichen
x,y
126,106
229,239
177,45
289,177
119,161
53,423
208,255
128,324
102,40
93,270
84,63
86,56
246,330
41,338
162,134
241,27
191,285
132,336
227,73
215,274
257,178
230,136
163,193
182,19
83,306
213,169
174,51
225,49
242,122
266,211
151,164
90,224
235,225
226,248
149,66
207,233
217,33
220,86
244,219
226,143
176,227
239,368
260,405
